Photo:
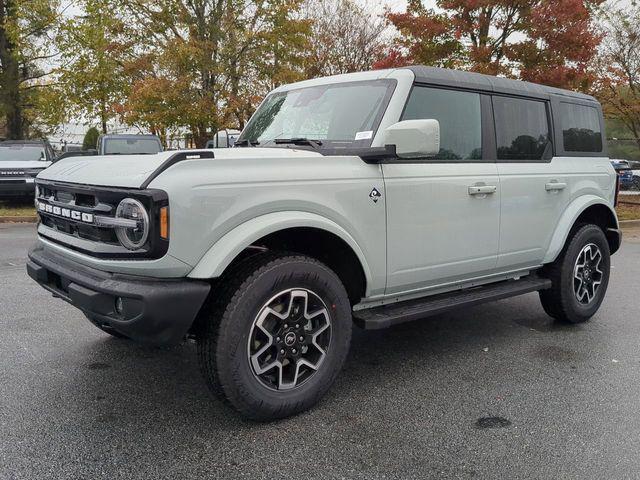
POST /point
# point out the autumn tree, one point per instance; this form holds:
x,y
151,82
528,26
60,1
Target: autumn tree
x,y
25,46
94,48
204,65
619,82
550,42
345,37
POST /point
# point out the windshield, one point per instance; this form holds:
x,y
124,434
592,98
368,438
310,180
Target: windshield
x,y
339,115
125,146
22,153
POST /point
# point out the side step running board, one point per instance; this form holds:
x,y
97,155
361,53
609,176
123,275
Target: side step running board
x,y
388,315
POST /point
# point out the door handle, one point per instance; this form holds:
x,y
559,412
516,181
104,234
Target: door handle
x,y
555,186
482,189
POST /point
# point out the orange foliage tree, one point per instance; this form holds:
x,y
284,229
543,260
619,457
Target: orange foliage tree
x,y
545,41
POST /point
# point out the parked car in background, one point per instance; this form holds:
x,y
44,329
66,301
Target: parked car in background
x,y
376,198
20,162
77,153
635,169
224,139
625,173
71,147
126,144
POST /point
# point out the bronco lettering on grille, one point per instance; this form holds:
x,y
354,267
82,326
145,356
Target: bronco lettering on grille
x,y
65,212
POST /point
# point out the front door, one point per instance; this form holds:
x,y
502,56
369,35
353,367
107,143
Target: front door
x,y
443,213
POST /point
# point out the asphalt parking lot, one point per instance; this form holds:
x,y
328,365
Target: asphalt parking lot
x,y
497,391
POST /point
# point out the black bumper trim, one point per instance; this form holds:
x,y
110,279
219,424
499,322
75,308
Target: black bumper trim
x,y
17,189
155,311
614,236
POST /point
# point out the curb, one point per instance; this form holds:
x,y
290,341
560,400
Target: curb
x,y
18,219
629,223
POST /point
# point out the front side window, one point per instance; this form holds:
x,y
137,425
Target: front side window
x,y
339,114
581,130
459,116
522,128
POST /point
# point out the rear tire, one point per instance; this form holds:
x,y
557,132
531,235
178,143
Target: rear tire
x,y
579,276
278,335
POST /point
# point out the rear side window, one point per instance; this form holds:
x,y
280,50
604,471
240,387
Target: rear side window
x,y
581,130
522,128
459,116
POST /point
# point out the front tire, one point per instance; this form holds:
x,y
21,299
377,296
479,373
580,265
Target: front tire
x,y
278,335
579,276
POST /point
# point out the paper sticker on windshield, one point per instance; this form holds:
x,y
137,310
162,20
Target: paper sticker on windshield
x,y
364,135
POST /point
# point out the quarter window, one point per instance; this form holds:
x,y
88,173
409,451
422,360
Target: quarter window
x,y
581,130
459,116
522,128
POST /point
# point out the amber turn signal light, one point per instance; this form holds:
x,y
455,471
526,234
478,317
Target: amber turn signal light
x,y
164,223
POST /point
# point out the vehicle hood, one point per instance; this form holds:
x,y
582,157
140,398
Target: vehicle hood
x,y
22,164
131,171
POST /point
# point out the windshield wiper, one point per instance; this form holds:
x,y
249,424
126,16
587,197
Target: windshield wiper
x,y
246,143
299,141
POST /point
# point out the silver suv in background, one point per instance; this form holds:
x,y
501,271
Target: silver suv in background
x,y
20,162
125,144
371,198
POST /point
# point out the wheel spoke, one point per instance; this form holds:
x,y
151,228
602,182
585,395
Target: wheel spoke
x,y
291,333
587,273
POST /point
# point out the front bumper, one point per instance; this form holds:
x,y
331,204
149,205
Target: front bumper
x,y
17,188
155,311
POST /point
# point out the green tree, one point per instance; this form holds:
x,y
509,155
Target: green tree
x,y
90,139
619,80
205,64
94,47
25,45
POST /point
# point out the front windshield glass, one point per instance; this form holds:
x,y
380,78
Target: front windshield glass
x,y
339,114
21,153
126,146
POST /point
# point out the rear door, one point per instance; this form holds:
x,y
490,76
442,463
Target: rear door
x,y
535,183
443,213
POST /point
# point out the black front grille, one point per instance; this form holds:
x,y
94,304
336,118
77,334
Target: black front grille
x,y
62,199
12,181
79,199
87,232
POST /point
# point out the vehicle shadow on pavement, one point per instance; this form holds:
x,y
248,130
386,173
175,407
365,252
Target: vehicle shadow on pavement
x,y
124,382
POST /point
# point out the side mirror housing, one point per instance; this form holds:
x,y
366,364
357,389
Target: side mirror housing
x,y
414,138
224,139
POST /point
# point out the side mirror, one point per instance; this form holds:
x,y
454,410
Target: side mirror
x,y
224,139
221,139
414,138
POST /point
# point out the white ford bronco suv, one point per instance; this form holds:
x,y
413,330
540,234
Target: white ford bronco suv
x,y
369,198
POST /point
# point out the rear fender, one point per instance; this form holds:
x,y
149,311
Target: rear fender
x,y
567,221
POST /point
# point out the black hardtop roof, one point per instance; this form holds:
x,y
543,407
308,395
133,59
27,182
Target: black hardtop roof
x,y
478,81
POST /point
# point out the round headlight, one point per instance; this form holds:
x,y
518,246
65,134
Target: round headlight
x,y
133,238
